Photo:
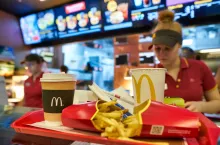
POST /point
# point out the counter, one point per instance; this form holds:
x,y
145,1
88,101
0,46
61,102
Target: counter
x,y
9,137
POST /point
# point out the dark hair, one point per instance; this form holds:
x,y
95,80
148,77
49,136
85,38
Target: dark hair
x,y
188,49
198,57
187,52
42,59
33,58
64,68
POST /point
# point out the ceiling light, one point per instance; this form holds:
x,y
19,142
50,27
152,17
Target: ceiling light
x,y
19,1
42,0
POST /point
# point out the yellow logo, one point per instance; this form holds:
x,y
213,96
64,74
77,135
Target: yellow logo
x,y
138,87
56,100
154,35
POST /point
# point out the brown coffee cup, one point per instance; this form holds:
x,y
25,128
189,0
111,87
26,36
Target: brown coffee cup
x,y
58,93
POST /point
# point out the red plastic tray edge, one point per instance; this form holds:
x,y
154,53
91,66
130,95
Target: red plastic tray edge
x,y
61,135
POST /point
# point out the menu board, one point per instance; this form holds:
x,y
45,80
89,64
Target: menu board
x,y
208,36
78,18
207,8
29,29
46,25
116,14
144,11
177,2
92,16
182,9
189,9
189,37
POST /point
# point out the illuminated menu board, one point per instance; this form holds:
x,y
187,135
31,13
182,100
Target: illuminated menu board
x,y
190,9
29,29
207,8
78,18
46,25
144,11
93,16
116,14
177,2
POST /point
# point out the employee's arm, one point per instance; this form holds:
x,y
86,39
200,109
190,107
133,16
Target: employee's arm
x,y
213,101
212,104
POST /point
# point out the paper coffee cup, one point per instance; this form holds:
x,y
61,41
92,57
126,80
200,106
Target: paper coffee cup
x,y
58,92
148,83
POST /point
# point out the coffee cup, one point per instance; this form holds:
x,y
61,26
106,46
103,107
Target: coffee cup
x,y
57,94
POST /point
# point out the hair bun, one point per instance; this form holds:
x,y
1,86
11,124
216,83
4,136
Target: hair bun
x,y
166,16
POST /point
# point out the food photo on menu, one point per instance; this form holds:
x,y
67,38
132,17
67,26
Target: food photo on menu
x,y
83,20
78,18
145,11
29,29
95,17
46,25
116,12
146,3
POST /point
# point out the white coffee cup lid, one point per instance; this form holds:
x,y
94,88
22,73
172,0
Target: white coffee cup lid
x,y
57,77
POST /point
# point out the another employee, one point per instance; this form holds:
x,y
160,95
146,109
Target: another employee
x,y
188,53
187,79
32,86
64,69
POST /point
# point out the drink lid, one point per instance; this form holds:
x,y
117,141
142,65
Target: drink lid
x,y
147,69
57,77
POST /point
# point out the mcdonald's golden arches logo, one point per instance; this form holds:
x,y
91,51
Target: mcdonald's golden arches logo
x,y
137,85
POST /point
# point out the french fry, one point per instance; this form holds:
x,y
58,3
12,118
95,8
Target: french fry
x,y
107,104
125,111
104,109
115,115
121,130
105,119
101,123
110,120
110,135
130,120
114,108
130,132
110,129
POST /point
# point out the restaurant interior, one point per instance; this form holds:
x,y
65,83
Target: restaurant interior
x,y
97,43
35,28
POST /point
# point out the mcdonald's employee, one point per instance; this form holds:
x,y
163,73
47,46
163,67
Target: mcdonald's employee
x,y
32,86
187,79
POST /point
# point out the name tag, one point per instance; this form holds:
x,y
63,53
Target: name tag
x,y
166,87
27,84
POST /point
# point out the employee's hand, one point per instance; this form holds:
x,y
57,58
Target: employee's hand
x,y
194,106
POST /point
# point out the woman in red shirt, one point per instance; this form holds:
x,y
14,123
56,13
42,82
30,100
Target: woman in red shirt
x,y
32,86
187,79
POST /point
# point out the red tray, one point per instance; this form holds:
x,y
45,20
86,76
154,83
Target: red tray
x,y
37,116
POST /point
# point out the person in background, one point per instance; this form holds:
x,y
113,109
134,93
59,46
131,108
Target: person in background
x,y
64,69
32,86
188,53
185,78
44,65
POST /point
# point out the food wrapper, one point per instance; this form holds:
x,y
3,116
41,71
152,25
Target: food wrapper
x,y
155,119
80,116
165,121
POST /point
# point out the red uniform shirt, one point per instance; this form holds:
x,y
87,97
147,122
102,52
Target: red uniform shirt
x,y
33,92
194,78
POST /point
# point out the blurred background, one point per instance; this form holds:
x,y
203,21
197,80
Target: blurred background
x,y
98,43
